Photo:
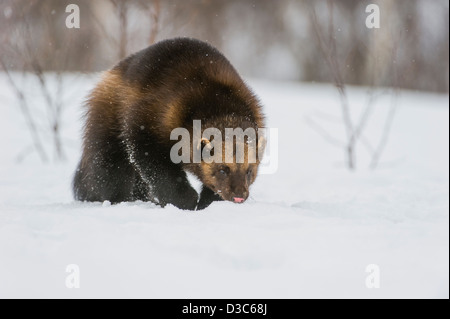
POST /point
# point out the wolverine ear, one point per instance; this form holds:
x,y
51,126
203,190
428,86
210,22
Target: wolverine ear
x,y
204,142
206,148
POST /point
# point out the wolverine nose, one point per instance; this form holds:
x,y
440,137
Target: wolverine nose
x,y
238,199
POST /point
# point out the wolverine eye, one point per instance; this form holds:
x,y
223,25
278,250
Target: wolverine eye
x,y
224,171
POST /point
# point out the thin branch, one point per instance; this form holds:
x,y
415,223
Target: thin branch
x,y
365,114
122,8
386,130
104,31
327,117
391,115
155,13
330,53
26,112
366,143
324,133
24,153
38,72
53,103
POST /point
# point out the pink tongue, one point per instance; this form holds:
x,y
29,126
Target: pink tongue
x,y
238,199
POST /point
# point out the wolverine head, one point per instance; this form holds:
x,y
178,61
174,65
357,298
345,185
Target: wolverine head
x,y
230,181
230,167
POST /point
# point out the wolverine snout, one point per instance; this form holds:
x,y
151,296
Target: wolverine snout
x,y
239,196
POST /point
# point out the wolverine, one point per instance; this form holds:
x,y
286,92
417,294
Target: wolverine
x,y
135,107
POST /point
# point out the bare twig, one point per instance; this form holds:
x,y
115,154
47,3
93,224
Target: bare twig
x,y
386,130
327,117
391,114
366,143
53,102
365,114
155,13
323,132
354,130
330,53
122,10
104,31
26,112
53,107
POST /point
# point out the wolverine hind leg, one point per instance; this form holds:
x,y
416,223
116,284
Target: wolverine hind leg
x,y
101,179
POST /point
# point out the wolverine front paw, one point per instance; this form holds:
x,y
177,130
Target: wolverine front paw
x,y
186,199
207,196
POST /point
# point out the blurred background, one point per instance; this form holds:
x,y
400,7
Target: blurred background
x,y
262,38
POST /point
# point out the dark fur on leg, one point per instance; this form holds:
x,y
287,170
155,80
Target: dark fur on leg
x,y
168,181
207,196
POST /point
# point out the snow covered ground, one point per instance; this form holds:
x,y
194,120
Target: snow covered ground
x,y
309,230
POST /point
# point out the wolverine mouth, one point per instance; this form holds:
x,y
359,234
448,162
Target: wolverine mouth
x,y
234,199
